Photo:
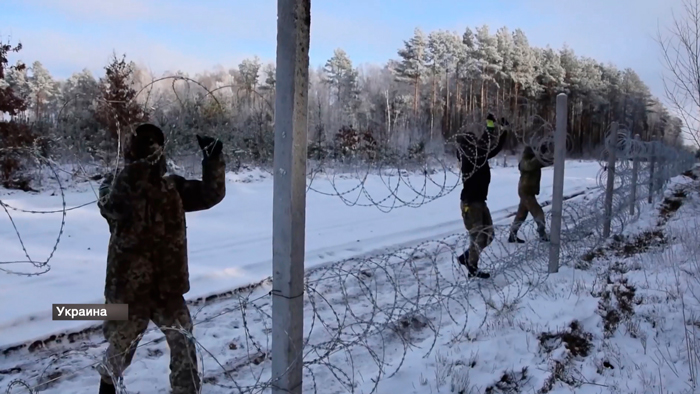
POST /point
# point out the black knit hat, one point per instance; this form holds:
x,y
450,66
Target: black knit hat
x,y
151,133
138,145
490,117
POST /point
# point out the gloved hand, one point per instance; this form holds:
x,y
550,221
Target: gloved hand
x,y
211,147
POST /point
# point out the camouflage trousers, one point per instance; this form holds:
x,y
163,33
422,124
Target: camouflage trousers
x,y
173,318
528,205
478,222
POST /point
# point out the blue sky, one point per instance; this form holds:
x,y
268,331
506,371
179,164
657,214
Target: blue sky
x,y
68,35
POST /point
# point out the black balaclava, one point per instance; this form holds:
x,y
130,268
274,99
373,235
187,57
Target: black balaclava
x,y
146,143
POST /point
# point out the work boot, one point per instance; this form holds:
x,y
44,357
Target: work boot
x,y
473,271
477,273
107,388
542,232
513,238
463,258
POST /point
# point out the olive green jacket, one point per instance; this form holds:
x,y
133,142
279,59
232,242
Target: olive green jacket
x,y
145,210
530,167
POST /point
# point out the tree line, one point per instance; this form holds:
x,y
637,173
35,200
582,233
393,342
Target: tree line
x,y
434,86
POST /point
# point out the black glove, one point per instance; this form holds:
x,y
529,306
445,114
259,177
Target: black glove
x,y
211,147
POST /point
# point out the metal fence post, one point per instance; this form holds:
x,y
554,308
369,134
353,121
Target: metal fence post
x,y
635,174
558,182
289,194
610,187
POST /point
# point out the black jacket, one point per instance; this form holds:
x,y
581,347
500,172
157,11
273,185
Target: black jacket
x,y
476,172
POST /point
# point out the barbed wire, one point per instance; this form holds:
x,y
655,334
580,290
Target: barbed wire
x,y
409,180
365,316
396,171
385,301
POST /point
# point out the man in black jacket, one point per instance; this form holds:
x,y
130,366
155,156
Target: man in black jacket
x,y
476,177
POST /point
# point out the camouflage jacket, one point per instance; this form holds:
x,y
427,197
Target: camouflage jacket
x,y
530,167
145,210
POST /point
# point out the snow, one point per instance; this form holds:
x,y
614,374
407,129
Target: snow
x,y
231,244
410,314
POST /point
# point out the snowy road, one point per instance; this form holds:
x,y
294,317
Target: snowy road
x,y
230,245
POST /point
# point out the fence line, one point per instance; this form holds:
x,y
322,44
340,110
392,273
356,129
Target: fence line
x,y
358,309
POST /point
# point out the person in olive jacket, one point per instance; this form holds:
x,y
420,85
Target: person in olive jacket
x,y
147,265
530,167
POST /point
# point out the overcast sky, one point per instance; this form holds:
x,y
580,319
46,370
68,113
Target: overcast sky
x,y
166,35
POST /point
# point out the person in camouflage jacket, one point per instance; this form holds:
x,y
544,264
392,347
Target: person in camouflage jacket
x,y
530,167
147,266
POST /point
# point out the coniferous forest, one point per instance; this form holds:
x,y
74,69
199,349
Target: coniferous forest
x,y
423,95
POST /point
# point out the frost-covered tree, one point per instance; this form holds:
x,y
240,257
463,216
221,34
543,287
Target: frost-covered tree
x,y
412,64
549,72
342,78
44,91
469,68
269,81
489,62
17,79
444,51
524,68
436,83
506,48
249,72
17,139
117,109
270,77
77,123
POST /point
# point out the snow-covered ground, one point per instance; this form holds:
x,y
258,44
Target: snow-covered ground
x,y
624,319
231,245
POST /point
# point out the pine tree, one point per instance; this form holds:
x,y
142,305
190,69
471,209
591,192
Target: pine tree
x,y
77,115
16,138
444,49
44,90
412,66
249,70
117,109
342,78
489,62
10,102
